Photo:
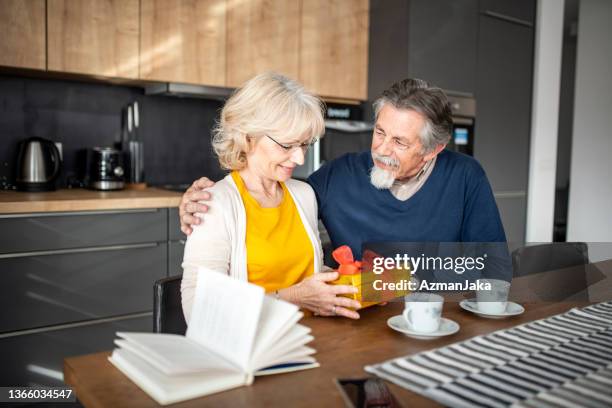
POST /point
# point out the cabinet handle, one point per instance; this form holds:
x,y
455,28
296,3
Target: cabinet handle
x,y
77,250
72,213
510,194
76,324
509,19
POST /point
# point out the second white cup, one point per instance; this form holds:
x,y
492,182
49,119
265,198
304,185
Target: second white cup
x,y
423,311
493,301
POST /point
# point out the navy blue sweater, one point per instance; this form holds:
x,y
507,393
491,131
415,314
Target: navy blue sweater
x,y
455,204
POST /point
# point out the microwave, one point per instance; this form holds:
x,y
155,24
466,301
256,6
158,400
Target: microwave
x,y
463,108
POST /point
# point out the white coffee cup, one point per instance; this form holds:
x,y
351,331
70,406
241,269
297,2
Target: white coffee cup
x,y
423,312
495,300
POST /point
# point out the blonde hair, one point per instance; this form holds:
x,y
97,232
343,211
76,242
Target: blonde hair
x,y
268,104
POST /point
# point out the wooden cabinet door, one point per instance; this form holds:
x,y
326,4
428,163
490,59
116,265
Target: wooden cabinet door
x,y
334,47
262,35
93,37
183,41
22,29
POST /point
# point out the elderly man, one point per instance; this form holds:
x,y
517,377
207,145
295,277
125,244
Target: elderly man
x,y
407,188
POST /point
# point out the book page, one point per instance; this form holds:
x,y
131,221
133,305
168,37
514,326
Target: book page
x,y
225,316
295,337
277,317
173,354
168,389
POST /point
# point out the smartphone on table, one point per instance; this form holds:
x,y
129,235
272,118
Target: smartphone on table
x,y
369,392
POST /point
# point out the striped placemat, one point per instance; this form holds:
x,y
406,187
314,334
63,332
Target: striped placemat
x,y
561,361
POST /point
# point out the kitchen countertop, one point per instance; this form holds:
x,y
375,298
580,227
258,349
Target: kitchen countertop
x,y
78,199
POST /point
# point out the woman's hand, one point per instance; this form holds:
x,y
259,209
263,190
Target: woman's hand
x,y
189,204
315,294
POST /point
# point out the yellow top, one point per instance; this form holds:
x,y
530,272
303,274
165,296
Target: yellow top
x,y
279,252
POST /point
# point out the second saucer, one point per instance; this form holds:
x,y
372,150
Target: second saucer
x,y
399,324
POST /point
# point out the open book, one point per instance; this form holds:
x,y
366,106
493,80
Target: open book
x,y
235,333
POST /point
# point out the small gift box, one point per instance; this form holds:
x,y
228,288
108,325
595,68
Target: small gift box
x,y
372,288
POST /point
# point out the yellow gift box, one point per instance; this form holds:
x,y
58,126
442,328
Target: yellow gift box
x,y
367,294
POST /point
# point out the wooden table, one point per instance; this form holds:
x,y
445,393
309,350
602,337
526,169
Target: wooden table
x,y
343,347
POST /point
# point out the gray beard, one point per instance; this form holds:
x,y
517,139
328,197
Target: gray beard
x,y
381,179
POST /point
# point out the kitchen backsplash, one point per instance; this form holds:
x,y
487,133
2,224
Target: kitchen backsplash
x,y
175,131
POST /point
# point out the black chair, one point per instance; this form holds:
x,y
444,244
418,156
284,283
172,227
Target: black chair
x,y
567,259
167,310
549,257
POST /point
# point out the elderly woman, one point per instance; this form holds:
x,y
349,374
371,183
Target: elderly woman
x,y
263,225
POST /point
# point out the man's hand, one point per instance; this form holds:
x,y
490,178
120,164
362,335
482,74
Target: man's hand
x,y
189,204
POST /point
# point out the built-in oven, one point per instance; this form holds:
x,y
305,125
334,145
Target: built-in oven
x,y
463,108
345,131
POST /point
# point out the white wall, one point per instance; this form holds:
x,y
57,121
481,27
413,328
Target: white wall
x,y
590,200
544,121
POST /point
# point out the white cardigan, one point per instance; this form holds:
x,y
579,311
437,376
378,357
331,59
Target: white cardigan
x,y
219,242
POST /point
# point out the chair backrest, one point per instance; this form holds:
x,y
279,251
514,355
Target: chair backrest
x,y
549,257
567,260
167,309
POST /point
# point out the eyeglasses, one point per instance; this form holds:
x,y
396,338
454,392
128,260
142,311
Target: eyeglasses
x,y
396,142
292,147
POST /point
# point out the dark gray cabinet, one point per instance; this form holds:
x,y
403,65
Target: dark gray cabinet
x,y
435,40
176,244
45,290
503,95
513,211
175,257
72,279
503,123
442,38
50,231
519,11
38,358
174,226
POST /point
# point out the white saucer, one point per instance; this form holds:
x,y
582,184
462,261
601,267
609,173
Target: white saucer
x,y
447,327
512,309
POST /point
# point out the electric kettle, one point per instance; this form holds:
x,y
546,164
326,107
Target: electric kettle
x,y
38,165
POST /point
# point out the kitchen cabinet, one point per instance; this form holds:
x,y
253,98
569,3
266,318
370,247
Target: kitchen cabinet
x,y
503,95
93,37
22,29
442,43
513,211
519,11
73,279
81,229
262,35
434,40
503,120
79,285
322,43
38,358
176,243
183,41
334,47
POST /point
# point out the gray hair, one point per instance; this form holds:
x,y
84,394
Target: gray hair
x,y
431,102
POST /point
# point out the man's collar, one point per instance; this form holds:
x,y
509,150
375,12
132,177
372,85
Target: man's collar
x,y
418,176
